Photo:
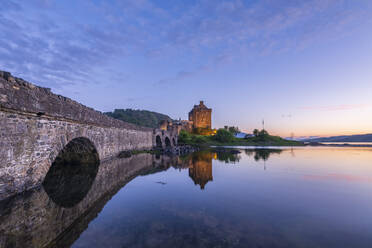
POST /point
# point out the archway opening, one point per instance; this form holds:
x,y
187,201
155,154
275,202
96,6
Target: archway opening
x,y
159,144
72,173
174,142
167,142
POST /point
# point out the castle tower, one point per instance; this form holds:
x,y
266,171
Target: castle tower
x,y
201,116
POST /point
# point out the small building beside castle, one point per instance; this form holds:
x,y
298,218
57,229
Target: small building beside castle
x,y
201,116
200,120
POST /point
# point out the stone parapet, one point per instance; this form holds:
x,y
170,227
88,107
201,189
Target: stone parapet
x,y
20,95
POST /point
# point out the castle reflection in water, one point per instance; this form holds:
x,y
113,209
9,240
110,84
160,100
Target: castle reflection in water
x,y
200,167
56,214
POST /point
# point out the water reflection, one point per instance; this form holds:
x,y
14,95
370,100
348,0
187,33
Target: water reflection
x,y
199,163
244,208
72,174
77,187
261,154
229,156
55,215
200,168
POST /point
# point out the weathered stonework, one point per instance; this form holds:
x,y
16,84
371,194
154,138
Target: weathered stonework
x,y
17,94
201,116
37,221
36,124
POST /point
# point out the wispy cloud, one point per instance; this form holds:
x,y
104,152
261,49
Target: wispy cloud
x,y
182,75
53,44
336,107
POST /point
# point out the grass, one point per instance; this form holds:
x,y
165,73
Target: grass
x,y
200,140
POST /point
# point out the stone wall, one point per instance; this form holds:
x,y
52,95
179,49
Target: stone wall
x,y
34,220
18,94
202,119
30,144
201,116
36,124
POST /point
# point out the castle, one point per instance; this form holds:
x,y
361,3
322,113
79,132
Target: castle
x,y
201,116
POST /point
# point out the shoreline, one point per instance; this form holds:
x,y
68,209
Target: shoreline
x,y
305,145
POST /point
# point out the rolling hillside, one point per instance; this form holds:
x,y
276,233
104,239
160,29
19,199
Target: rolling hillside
x,y
344,138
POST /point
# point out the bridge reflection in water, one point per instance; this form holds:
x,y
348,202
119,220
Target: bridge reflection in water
x,y
76,189
72,174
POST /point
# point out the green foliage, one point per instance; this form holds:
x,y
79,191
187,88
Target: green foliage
x,y
264,138
184,137
139,117
234,130
225,138
198,139
223,135
262,135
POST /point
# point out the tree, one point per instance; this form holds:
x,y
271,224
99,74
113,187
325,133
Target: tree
x,y
198,139
256,132
263,133
234,130
223,135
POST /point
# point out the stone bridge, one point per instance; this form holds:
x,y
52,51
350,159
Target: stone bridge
x,y
36,125
56,220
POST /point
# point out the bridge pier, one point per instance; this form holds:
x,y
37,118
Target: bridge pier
x,y
165,138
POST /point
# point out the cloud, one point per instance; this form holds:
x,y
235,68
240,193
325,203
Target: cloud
x,y
181,75
53,44
9,5
336,107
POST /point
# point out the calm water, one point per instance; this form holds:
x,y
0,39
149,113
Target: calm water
x,y
302,197
349,143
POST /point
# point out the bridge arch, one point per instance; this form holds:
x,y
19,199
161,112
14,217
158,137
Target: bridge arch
x,y
159,143
72,173
167,142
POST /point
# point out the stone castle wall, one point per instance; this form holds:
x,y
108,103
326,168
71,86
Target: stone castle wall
x,y
202,119
201,116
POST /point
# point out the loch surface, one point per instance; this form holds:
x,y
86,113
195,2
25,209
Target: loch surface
x,y
300,197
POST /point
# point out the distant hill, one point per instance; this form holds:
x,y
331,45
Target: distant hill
x,y
344,138
139,117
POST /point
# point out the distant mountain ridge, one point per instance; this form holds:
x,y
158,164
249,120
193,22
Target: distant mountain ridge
x,y
143,118
343,138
